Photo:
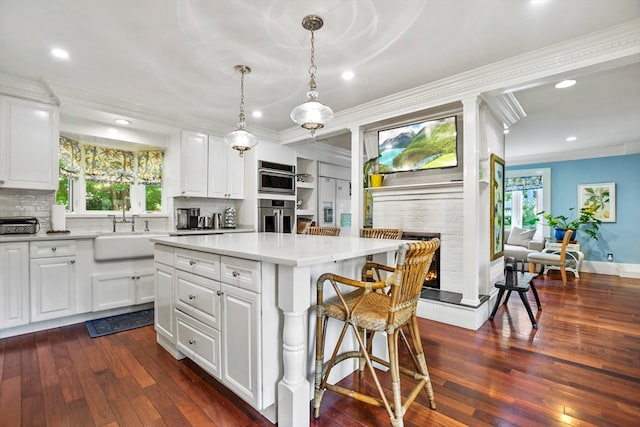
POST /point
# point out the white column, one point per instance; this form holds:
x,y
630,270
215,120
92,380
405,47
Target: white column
x,y
293,388
471,191
357,192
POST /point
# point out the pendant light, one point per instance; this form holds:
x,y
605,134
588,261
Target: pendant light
x,y
240,139
312,114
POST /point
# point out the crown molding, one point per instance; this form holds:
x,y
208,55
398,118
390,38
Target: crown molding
x,y
506,108
617,43
34,90
623,149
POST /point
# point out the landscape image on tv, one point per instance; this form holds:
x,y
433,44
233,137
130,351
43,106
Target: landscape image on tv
x,y
425,145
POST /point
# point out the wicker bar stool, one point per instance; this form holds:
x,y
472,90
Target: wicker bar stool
x,y
366,311
323,231
381,233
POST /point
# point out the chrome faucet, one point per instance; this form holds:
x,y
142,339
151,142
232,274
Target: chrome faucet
x,y
113,217
133,222
124,208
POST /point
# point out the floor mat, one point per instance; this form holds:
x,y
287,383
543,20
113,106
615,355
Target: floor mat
x,y
122,322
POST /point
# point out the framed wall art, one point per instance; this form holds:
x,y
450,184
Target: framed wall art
x,y
497,207
601,198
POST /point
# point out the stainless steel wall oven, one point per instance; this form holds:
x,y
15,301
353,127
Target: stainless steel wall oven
x,y
276,178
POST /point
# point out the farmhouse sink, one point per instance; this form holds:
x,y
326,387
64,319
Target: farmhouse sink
x,y
116,246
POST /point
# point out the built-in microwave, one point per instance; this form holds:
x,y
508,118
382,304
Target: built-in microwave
x,y
276,178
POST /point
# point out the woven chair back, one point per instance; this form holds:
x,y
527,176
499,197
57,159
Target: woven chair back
x,y
414,260
381,233
323,231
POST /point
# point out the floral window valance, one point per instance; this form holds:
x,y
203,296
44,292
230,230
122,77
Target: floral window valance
x,y
70,157
150,167
519,183
104,164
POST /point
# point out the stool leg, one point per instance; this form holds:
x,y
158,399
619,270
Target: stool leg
x,y
495,307
525,301
506,299
535,294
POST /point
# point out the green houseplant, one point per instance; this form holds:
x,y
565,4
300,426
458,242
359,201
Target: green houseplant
x,y
586,222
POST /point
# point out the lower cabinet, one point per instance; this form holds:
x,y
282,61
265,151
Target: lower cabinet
x,y
122,289
53,279
14,284
240,342
217,315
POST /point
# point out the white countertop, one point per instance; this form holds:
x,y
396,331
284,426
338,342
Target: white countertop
x,y
285,249
6,238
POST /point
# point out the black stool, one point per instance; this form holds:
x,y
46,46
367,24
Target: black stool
x,y
521,284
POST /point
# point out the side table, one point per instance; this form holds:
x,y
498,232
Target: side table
x,y
574,257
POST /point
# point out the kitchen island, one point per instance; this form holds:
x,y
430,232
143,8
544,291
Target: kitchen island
x,y
276,274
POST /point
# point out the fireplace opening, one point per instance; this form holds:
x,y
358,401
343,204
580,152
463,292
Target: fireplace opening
x,y
432,280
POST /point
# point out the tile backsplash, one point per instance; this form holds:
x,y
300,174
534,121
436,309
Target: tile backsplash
x,y
27,203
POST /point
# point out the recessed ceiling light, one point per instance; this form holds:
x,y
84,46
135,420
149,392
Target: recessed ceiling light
x,y
60,53
565,84
571,138
347,75
257,114
124,122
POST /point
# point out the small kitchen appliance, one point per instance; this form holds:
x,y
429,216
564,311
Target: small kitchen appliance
x,y
19,225
194,218
229,217
182,218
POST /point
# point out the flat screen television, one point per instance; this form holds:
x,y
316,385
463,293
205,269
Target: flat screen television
x,y
430,144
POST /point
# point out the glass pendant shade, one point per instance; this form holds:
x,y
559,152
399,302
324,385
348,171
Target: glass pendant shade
x,y
312,114
241,139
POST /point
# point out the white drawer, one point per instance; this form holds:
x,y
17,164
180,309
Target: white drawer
x,y
204,264
242,273
52,248
199,297
163,254
200,343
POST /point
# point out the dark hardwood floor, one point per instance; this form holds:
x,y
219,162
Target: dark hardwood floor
x,y
581,367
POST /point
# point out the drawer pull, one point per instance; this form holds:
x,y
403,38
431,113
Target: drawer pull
x,y
192,262
235,274
192,297
192,342
219,293
54,249
73,261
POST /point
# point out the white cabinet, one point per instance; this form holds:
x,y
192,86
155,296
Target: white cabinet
x,y
29,133
14,284
194,147
122,289
241,351
53,279
164,302
209,167
226,171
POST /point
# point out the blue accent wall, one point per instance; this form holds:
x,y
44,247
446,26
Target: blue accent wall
x,y
621,238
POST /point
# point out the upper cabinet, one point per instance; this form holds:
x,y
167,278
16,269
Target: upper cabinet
x,y
226,171
29,133
209,168
194,147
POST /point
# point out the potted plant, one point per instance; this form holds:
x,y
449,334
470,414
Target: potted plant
x,y
586,222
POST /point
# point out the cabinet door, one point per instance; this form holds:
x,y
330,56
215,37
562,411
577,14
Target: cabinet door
x,y
145,288
53,287
14,284
164,316
235,174
240,347
113,290
226,171
193,164
26,128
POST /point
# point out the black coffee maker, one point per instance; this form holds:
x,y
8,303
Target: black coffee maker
x,y
194,218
